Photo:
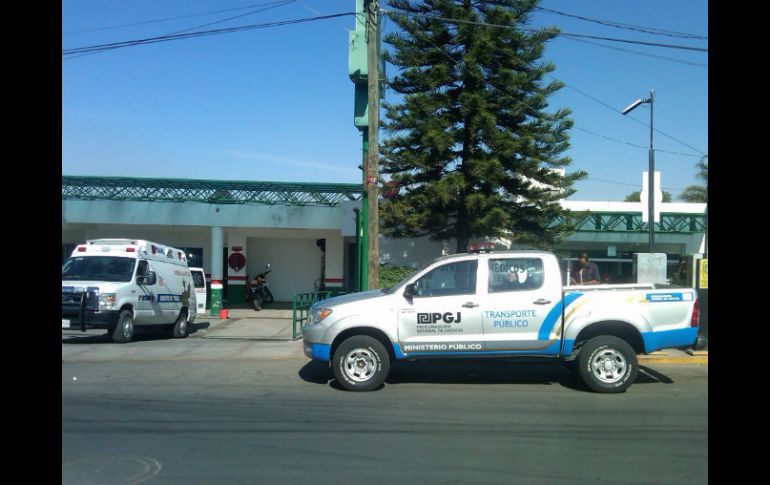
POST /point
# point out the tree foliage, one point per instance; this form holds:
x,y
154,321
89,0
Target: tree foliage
x,y
471,143
636,196
696,192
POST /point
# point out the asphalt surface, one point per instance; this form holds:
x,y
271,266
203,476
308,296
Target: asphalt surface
x,y
199,411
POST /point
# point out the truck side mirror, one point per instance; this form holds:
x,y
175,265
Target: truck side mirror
x,y
152,278
410,291
149,279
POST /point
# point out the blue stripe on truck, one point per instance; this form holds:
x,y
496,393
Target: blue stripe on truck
x,y
321,352
666,339
554,314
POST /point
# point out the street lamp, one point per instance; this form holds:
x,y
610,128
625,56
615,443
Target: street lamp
x,y
651,174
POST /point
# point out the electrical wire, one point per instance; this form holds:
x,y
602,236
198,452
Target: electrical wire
x,y
188,35
619,25
638,53
167,19
252,12
628,184
562,34
635,145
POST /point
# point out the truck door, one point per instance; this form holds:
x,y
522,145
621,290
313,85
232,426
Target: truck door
x,y
519,310
146,304
443,317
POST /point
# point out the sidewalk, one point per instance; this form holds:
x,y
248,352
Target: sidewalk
x,y
247,324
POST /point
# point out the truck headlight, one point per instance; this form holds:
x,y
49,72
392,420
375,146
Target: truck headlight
x,y
319,314
106,301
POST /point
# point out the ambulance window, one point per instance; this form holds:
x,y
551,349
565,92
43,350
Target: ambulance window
x,y
198,280
513,274
450,279
141,268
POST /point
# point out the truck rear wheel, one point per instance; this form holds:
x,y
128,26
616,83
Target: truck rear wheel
x,y
607,364
361,363
180,329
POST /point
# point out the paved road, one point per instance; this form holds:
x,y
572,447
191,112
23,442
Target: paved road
x,y
200,411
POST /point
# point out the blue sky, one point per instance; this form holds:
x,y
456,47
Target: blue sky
x,y
276,104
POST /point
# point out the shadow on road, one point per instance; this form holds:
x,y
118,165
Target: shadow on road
x,y
477,371
140,334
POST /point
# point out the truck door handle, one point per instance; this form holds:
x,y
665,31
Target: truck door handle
x,y
541,301
470,304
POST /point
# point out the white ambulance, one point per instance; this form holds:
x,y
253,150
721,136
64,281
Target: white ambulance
x,y
119,284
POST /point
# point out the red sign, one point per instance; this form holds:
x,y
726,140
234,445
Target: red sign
x,y
236,261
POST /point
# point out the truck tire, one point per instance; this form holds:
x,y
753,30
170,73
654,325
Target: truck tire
x,y
180,328
124,330
607,364
361,363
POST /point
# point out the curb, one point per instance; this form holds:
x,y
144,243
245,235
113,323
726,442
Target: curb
x,y
697,360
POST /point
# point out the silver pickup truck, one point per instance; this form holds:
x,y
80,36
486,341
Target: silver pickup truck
x,y
499,304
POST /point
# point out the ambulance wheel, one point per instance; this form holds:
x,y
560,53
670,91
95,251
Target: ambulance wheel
x,y
360,363
607,364
124,330
180,329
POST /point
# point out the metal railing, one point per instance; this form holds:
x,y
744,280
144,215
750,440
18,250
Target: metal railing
x,y
300,308
208,191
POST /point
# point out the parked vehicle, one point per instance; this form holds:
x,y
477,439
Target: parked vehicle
x,y
120,284
502,305
258,292
199,280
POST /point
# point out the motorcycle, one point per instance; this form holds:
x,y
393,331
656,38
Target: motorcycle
x,y
259,293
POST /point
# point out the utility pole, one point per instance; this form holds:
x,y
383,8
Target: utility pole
x,y
370,167
651,198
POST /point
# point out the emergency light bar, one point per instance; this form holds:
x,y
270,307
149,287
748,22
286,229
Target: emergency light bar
x,y
485,247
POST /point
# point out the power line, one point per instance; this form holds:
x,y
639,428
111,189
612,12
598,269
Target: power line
x,y
639,53
252,12
635,145
619,25
188,35
562,34
167,19
615,110
629,185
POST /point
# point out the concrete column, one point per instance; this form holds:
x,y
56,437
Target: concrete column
x,y
216,269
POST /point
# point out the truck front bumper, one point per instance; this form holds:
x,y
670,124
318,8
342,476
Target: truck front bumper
x,y
106,319
313,344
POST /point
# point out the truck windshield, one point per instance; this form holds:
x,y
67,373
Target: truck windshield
x,y
98,268
392,288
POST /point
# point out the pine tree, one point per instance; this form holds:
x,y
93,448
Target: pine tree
x,y
472,145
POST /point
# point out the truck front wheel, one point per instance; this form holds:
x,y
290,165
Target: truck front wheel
x,y
607,364
361,363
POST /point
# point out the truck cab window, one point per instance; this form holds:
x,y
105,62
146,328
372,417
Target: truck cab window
x,y
141,268
513,274
450,279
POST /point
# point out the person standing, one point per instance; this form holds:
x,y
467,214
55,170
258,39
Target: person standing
x,y
584,272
